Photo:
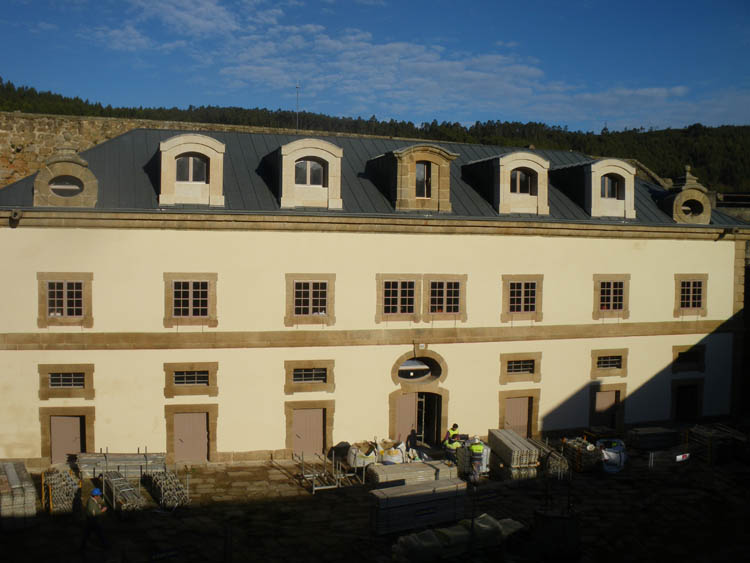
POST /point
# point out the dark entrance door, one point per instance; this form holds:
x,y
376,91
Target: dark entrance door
x,y
605,409
429,412
67,435
686,403
191,436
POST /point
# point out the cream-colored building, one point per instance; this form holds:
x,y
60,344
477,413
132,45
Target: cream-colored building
x,y
238,296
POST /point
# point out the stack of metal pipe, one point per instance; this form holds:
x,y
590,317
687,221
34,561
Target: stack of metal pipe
x,y
166,489
60,491
119,493
512,457
17,496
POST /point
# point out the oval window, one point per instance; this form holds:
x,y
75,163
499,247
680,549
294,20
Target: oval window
x,y
418,369
692,207
66,186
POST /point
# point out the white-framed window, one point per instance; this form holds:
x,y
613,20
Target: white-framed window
x,y
522,297
398,297
191,377
190,298
609,362
691,294
613,187
611,295
67,380
521,366
310,375
310,172
523,181
310,298
423,188
191,167
445,296
65,299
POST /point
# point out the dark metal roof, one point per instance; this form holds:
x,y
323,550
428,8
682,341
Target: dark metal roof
x,y
127,168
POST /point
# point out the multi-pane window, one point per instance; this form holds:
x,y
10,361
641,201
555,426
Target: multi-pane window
x,y
398,296
63,380
522,297
523,181
191,377
424,180
691,294
611,295
310,375
65,299
310,297
309,172
609,362
613,187
445,296
192,168
190,298
520,366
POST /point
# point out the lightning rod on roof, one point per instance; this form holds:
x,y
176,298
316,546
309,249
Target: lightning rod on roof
x,y
297,86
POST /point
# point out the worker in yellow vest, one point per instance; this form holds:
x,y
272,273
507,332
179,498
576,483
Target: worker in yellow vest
x,y
452,431
451,444
477,452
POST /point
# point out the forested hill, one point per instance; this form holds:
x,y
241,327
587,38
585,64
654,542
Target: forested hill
x,y
719,156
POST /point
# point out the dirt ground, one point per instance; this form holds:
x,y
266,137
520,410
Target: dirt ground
x,y
258,511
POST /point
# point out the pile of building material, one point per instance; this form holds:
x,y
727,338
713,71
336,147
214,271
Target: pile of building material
x,y
128,464
119,493
512,457
715,443
59,491
17,496
552,462
362,454
415,506
166,489
411,473
582,455
652,438
463,459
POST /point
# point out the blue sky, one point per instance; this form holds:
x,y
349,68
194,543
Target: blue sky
x,y
571,63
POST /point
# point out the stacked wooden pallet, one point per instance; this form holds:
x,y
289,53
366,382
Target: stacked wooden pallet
x,y
512,457
652,438
129,464
714,443
581,454
17,496
415,506
552,462
411,473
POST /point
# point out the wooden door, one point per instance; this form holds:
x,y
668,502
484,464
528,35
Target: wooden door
x,y
518,415
308,426
191,436
65,437
605,409
406,416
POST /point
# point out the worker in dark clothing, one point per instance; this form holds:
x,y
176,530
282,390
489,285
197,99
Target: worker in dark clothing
x,y
411,440
95,507
477,453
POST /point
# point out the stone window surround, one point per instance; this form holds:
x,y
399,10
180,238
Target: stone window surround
x,y
172,390
535,377
595,204
45,423
65,163
173,192
380,280
410,387
170,320
290,319
427,315
46,392
303,195
291,387
329,408
623,313
597,372
620,408
523,203
211,409
692,311
406,182
44,320
699,367
506,315
422,383
535,395
684,382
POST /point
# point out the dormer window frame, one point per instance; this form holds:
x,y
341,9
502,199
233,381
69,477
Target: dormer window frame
x,y
509,167
66,168
596,198
192,158
612,186
327,194
423,179
189,192
309,162
436,163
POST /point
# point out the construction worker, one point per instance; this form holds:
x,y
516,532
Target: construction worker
x,y
451,444
477,452
95,507
452,431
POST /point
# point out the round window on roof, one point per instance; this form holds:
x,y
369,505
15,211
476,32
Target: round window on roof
x,y
66,186
692,207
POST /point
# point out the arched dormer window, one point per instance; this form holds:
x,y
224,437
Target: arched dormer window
x,y
523,181
311,171
192,167
613,187
192,171
310,174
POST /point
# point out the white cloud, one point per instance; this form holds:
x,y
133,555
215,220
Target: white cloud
x,y
189,17
127,38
